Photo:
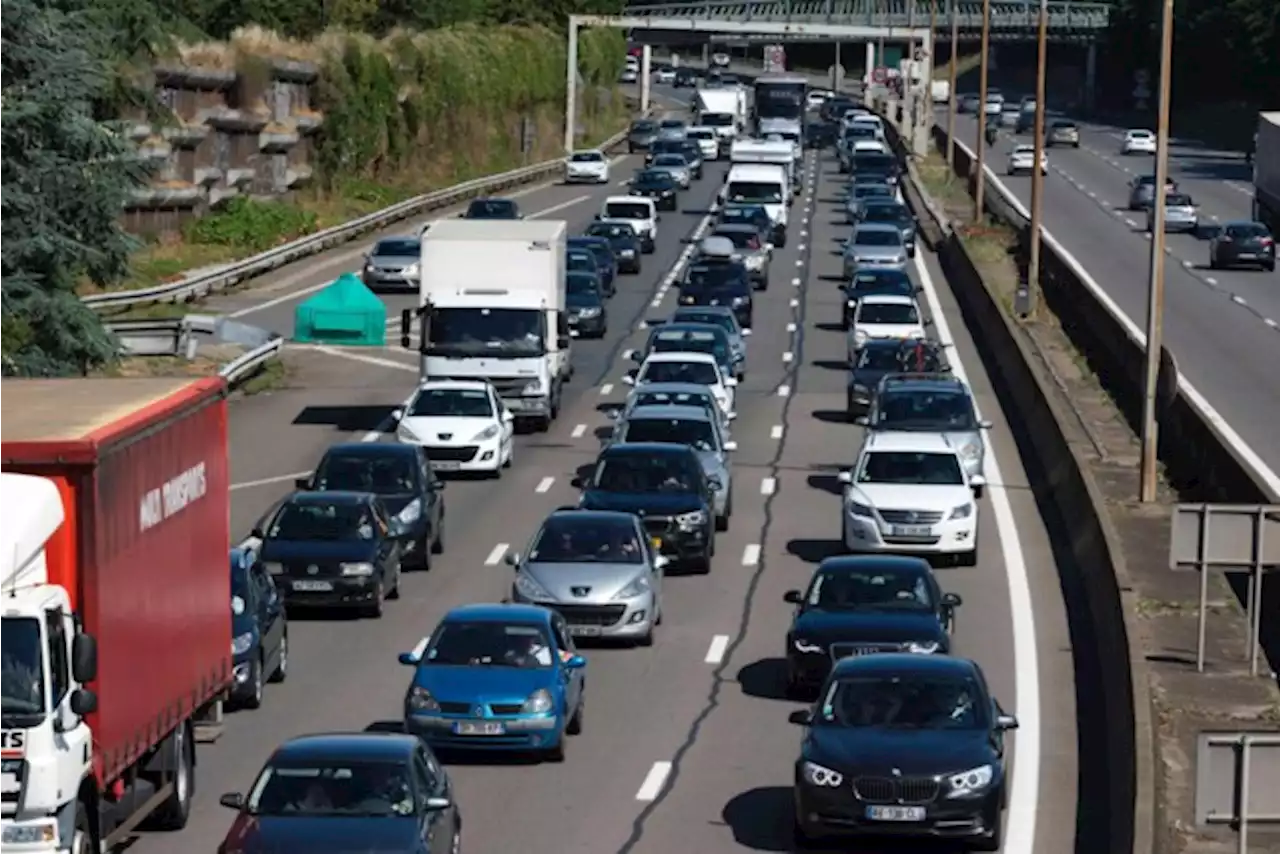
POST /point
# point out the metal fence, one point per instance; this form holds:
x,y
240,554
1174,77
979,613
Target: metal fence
x,y
1238,781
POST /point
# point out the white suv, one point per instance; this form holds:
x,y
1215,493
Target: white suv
x,y
909,493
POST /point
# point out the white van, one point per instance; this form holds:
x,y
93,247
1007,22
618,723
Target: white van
x,y
764,184
638,212
776,151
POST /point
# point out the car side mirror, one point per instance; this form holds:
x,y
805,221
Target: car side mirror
x,y
732,416
862,421
436,804
730,382
232,801
1004,723
845,477
952,600
928,321
637,356
302,483
562,341
576,662
511,559
258,533
731,445
629,378
801,717
661,562
978,484
409,659
793,597
985,425
83,702
715,483
577,483
746,332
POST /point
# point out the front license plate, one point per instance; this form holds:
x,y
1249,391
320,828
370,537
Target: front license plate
x,y
895,813
313,585
912,531
479,728
585,631
446,465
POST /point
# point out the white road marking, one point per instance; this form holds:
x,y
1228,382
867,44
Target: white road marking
x,y
355,356
544,485
799,262
498,553
605,389
788,356
579,431
1024,795
795,282
267,481
715,652
1211,280
627,354
1238,300
768,485
1269,322
654,781
784,390
775,432
751,554
795,303
791,327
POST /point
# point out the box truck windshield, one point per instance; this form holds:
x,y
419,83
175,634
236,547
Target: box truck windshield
x,y
22,670
492,332
716,120
754,193
780,99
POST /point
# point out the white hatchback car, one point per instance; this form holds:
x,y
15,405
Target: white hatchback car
x,y
1023,159
678,367
591,167
909,493
462,424
1138,141
883,316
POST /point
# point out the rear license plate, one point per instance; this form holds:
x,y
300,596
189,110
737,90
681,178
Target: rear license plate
x,y
446,465
585,631
313,585
912,530
479,728
1249,255
895,813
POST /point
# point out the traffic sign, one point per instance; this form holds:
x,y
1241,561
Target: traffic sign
x,y
880,75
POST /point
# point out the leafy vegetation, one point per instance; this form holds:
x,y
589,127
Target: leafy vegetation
x,y
256,226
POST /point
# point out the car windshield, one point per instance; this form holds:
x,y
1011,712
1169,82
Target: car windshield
x,y
587,157
644,127
382,474
581,284
948,411
887,312
865,237
872,162
484,643
599,249
1248,231
493,209
702,133
669,473
611,230
909,467
315,520
764,192
698,373
699,435
668,160
743,215
628,210
565,539
582,260
877,359
886,213
1177,200
397,247
339,789
867,191
883,280
1024,150
493,332
22,667
717,120
451,403
740,239
722,319
713,275
671,124
911,701
689,343
841,590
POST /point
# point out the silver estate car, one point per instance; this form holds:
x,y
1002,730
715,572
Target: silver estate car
x,y
392,263
1180,214
930,403
674,394
675,165
694,427
860,194
598,569
874,244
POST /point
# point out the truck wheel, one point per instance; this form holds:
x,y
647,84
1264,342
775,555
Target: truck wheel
x,y
82,837
282,666
174,812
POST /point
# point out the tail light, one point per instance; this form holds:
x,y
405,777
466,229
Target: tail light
x,y
753,243
1265,241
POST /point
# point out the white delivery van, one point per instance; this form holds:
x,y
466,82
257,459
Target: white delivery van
x,y
776,151
718,109
492,307
764,184
638,212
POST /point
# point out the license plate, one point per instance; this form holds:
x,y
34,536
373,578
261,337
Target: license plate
x,y
313,585
912,530
446,465
479,728
1246,255
585,631
895,813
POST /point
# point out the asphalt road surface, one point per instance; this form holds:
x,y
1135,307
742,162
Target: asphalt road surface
x,y
686,744
1221,325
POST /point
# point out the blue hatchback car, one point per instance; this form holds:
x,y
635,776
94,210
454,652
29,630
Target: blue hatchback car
x,y
496,677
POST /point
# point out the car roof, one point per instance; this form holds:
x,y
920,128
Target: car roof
x,y
620,223
673,388
595,151
452,385
681,356
734,228
875,563
493,612
916,442
702,309
644,449
329,496
348,746
371,449
390,238
932,381
876,226
904,663
667,412
635,200
587,240
684,327
590,516
888,299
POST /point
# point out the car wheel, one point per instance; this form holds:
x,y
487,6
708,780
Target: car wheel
x,y
993,841
394,592
425,548
1213,262
252,697
969,558
282,664
556,754
374,608
574,727
1270,267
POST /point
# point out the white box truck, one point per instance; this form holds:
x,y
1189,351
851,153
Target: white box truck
x,y
720,109
492,307
1266,172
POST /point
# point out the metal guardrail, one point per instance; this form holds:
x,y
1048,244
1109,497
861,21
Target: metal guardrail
x,y
197,287
248,364
174,337
1063,16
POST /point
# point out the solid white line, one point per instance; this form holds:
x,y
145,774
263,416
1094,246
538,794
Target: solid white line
x,y
751,554
1024,795
498,553
579,431
654,781
607,388
715,653
775,432
544,485
355,357
768,486
265,481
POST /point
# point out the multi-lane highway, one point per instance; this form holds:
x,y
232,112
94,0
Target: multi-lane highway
x,y
686,744
1221,325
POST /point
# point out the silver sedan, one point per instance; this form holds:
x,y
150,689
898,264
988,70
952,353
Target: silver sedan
x,y
675,165
598,569
877,245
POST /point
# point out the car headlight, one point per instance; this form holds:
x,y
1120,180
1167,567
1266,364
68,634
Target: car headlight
x,y
964,511
419,699
971,451
923,647
689,521
738,302
405,434
273,567
539,703
857,508
530,589
237,605
486,434
31,833
589,312
627,253
411,513
410,272
817,775
860,337
532,388
971,781
803,645
240,643
638,587
358,568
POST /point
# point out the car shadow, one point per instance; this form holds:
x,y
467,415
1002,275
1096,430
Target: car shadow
x,y
827,326
765,679
831,416
761,818
346,419
831,364
814,551
831,277
827,483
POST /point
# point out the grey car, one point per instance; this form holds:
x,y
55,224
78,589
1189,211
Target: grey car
x,y
695,428
748,248
717,315
874,244
861,193
674,394
1142,192
1180,214
682,336
597,569
930,403
392,263
892,213
675,165
643,133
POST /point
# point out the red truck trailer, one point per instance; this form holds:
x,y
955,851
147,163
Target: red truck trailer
x,y
142,469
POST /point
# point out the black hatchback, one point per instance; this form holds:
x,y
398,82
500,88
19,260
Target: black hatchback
x,y
723,283
1239,243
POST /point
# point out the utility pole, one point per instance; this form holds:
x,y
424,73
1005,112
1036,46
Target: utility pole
x,y
1155,284
1037,177
980,190
909,85
926,94
952,97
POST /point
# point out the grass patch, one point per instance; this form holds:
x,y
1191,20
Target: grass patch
x,y
271,376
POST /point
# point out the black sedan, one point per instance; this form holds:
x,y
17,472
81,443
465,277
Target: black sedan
x,y
658,185
740,214
347,792
259,630
902,745
865,604
585,305
725,283
606,262
624,240
333,549
401,476
873,282
493,209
